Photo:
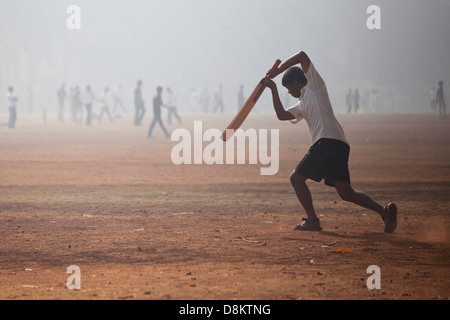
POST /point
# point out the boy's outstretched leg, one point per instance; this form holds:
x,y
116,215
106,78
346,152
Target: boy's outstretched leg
x,y
387,213
312,223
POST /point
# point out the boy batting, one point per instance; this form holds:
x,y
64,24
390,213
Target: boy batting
x,y
328,155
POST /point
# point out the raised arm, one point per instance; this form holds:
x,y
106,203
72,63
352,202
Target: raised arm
x,y
298,58
282,114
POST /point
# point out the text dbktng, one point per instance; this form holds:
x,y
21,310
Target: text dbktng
x,y
190,150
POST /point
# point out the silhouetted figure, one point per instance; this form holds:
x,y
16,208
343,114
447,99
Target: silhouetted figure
x,y
61,93
76,105
12,105
356,98
105,105
139,105
88,100
432,99
172,106
349,100
79,104
118,100
157,104
440,100
375,100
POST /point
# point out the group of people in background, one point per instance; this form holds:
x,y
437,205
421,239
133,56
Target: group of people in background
x,y
372,101
140,109
200,101
81,104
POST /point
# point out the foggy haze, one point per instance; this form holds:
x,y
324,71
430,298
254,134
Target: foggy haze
x,y
185,44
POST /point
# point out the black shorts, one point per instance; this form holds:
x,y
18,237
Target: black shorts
x,y
326,159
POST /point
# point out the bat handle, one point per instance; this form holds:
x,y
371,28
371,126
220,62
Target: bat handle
x,y
274,67
261,89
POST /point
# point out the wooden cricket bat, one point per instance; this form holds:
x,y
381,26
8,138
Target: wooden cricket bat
x,y
248,106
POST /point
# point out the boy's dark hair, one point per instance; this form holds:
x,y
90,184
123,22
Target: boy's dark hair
x,y
293,74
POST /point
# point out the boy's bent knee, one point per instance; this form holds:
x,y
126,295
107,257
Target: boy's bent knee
x,y
296,178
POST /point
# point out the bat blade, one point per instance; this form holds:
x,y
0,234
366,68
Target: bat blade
x,y
247,107
243,112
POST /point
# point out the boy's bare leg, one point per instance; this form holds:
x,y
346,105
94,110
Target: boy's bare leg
x,y
347,193
388,213
304,196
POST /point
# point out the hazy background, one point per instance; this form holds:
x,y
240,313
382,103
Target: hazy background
x,y
200,44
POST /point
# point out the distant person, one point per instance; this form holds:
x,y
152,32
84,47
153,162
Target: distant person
x,y
157,104
375,100
88,100
172,106
218,100
356,98
79,105
105,105
118,99
432,99
348,100
61,94
241,97
139,105
12,105
76,105
204,100
440,100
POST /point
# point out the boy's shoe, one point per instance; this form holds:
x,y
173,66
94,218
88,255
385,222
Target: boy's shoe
x,y
308,225
390,218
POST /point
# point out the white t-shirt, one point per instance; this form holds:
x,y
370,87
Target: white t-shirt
x,y
315,107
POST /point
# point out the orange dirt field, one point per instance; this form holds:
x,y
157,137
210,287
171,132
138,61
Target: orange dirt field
x,y
111,202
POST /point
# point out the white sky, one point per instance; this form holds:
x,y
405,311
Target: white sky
x,y
201,43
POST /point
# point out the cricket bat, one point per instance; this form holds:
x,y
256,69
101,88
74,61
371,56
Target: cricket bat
x,y
248,106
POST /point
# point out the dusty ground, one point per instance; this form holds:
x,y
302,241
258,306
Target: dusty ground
x,y
139,227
